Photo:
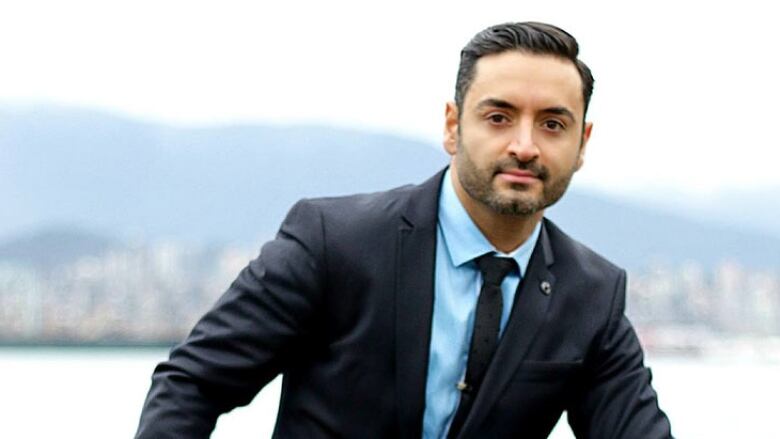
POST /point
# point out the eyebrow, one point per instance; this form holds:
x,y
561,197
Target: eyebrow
x,y
560,111
497,103
500,103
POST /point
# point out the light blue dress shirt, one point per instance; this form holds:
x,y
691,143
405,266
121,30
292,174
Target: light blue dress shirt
x,y
457,285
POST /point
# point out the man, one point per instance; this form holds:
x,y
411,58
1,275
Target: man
x,y
449,309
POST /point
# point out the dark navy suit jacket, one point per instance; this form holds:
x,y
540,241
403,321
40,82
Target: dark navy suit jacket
x,y
341,303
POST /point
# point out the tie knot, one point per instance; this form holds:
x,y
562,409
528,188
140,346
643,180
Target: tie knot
x,y
494,269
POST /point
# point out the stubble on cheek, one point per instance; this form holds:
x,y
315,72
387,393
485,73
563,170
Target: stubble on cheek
x,y
483,186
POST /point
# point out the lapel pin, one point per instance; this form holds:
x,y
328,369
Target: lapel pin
x,y
545,287
463,387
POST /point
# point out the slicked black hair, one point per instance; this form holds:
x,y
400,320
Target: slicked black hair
x,y
531,37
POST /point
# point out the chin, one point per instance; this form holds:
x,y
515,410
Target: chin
x,y
516,206
520,192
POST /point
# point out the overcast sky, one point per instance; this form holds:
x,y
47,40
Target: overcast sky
x,y
686,95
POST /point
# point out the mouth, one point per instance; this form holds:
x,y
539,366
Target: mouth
x,y
518,176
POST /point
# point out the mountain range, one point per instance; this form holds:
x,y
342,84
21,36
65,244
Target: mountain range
x,y
81,181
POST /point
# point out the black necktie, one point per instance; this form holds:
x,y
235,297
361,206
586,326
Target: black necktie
x,y
487,321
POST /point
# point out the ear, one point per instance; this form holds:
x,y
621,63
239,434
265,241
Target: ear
x,y
583,145
451,128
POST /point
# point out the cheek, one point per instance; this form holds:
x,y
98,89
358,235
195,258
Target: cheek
x,y
561,162
487,147
564,151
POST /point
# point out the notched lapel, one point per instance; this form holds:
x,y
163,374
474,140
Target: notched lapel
x,y
416,259
528,314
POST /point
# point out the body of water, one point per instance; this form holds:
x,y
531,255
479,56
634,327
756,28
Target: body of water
x,y
98,393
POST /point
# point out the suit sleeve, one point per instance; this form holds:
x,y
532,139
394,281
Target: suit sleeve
x,y
245,340
617,399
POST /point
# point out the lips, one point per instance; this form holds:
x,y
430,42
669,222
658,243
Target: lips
x,y
519,176
520,173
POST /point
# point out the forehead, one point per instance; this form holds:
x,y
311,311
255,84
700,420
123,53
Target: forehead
x,y
527,80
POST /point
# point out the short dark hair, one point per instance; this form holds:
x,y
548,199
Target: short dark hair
x,y
532,37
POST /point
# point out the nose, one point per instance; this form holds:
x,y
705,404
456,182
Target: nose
x,y
522,145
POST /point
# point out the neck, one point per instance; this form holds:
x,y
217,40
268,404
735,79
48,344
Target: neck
x,y
505,232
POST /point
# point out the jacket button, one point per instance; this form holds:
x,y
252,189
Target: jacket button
x,y
545,287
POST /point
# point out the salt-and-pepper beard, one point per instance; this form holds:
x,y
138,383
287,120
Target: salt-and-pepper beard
x,y
478,184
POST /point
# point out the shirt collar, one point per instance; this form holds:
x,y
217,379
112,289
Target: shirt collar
x,y
463,240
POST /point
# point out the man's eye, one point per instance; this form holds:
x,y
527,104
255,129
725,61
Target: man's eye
x,y
553,125
497,118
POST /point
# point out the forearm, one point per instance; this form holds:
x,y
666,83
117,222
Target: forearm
x,y
177,407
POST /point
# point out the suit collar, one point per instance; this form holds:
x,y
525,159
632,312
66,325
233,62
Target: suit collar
x,y
544,242
416,256
423,201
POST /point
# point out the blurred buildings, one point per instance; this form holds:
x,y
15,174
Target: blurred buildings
x,y
688,308
146,294
155,293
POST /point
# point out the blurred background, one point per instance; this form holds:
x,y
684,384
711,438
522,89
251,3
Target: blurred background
x,y
148,149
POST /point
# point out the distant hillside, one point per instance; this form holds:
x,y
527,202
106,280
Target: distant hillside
x,y
234,184
758,209
635,236
216,184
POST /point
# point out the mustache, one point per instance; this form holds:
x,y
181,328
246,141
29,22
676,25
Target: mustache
x,y
541,172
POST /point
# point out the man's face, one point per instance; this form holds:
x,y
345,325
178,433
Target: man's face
x,y
519,137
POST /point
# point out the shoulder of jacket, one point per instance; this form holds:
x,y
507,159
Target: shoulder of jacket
x,y
570,251
373,203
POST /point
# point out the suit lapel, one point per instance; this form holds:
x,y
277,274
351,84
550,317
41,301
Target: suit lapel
x,y
528,313
416,259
